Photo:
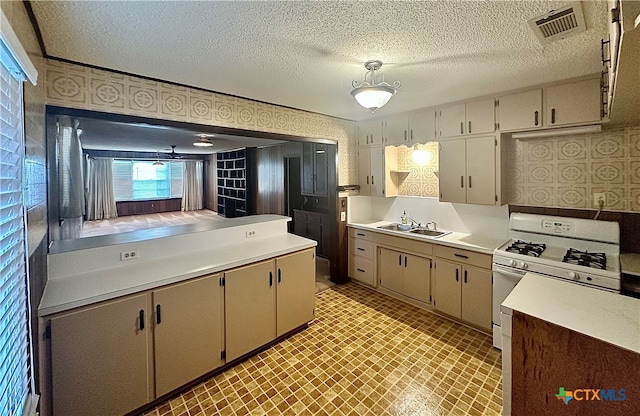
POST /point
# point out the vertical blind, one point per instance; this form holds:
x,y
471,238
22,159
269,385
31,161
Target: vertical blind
x,y
15,359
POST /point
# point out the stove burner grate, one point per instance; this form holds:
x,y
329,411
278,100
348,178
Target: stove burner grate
x,y
528,249
583,258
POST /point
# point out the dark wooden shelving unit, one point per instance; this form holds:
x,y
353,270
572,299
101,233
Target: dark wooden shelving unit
x,y
232,183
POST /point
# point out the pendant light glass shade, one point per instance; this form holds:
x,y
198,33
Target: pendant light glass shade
x,y
371,94
203,141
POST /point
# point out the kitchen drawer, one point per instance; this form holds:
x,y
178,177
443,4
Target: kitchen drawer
x,y
360,247
405,244
361,269
464,256
362,234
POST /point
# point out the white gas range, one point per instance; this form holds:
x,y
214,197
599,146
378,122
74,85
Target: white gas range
x,y
581,251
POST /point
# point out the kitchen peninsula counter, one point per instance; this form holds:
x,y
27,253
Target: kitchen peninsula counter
x,y
90,270
472,242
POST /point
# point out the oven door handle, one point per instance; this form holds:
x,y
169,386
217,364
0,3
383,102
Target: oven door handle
x,y
508,273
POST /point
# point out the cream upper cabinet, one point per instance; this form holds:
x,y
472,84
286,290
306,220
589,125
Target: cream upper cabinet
x,y
468,171
395,129
469,118
422,126
371,171
573,103
520,111
369,132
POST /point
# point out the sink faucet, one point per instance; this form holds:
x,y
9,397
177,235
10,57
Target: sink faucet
x,y
429,224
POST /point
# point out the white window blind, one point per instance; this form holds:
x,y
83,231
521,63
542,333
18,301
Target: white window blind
x,y
15,356
141,179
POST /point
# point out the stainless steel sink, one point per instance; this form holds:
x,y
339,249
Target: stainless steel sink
x,y
392,227
430,233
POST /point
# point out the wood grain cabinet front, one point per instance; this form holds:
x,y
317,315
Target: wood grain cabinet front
x,y
114,357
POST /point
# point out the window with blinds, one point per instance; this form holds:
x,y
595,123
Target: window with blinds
x,y
142,179
15,356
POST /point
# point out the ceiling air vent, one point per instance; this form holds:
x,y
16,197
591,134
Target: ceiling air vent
x,y
558,24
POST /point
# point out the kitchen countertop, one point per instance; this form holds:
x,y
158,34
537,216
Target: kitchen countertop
x,y
630,263
477,243
603,315
224,249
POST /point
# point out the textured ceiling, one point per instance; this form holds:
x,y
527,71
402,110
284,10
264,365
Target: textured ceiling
x,y
305,54
109,135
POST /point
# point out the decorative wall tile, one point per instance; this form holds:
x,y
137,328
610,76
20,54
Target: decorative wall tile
x,y
421,179
77,86
574,149
608,161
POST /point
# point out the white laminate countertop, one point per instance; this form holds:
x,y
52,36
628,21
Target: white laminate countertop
x,y
630,263
78,290
603,315
477,243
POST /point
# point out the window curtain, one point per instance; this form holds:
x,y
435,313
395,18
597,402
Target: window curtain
x,y
70,180
192,185
101,200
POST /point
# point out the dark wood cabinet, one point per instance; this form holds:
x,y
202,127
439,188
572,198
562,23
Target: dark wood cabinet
x,y
315,169
315,226
232,183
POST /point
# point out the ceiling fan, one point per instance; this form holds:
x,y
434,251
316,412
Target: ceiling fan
x,y
173,154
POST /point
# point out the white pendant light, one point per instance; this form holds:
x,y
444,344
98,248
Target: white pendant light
x,y
203,141
157,162
372,95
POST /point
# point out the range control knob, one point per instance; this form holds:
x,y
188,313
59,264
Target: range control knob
x,y
574,275
524,265
513,263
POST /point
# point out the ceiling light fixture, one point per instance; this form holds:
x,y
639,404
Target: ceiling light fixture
x,y
372,95
157,162
203,141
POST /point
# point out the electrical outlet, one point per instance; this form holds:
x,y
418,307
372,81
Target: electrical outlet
x,y
251,233
598,198
129,255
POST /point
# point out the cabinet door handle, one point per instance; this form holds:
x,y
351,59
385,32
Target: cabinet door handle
x,y
367,139
360,270
461,181
535,118
461,127
360,234
405,135
411,134
457,275
141,319
270,279
371,179
367,179
400,260
469,181
469,126
360,249
405,261
465,276
553,116
462,256
279,275
158,316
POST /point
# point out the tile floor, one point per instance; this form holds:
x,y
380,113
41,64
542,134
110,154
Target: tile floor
x,y
364,354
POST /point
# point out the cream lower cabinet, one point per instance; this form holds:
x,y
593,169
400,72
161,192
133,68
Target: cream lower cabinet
x,y
114,357
406,274
463,285
361,256
267,299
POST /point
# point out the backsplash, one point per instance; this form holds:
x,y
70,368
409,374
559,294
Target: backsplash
x,y
422,179
77,86
565,171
